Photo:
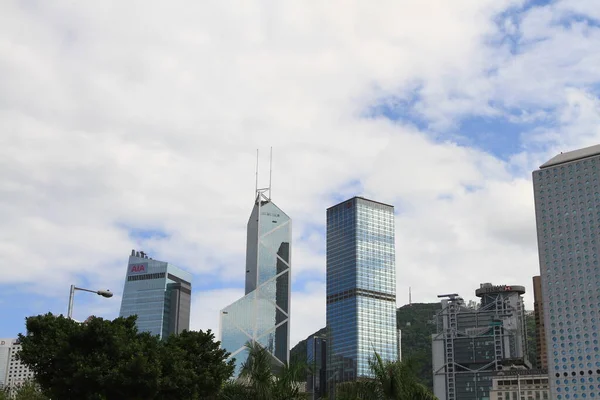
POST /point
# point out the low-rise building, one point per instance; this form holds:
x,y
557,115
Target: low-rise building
x,y
520,384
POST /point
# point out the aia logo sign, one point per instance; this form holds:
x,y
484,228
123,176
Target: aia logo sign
x,y
137,268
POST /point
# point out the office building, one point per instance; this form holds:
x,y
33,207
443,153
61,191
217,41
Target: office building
x,y
567,210
520,384
361,288
159,294
472,344
540,334
262,315
316,358
12,372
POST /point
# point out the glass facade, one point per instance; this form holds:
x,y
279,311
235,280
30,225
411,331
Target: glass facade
x,y
262,315
361,287
567,205
316,358
158,293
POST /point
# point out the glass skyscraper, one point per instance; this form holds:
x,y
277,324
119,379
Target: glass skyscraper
x,y
262,315
316,358
361,288
567,209
159,294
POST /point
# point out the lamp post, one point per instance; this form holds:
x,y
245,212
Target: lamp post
x,y
104,293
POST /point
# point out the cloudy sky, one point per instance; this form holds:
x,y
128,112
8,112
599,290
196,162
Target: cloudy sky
x,y
135,124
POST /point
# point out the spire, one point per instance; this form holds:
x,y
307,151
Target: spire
x,y
264,193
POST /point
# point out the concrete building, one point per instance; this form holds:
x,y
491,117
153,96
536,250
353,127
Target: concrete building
x,y
12,372
262,316
5,345
159,294
472,344
540,333
567,209
361,288
520,384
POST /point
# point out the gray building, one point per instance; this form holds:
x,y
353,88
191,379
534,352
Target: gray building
x,y
361,288
262,315
567,209
520,384
159,294
12,372
472,344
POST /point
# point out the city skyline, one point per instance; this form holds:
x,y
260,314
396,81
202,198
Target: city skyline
x,y
137,128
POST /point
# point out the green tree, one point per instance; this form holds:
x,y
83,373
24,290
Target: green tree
x,y
29,390
258,381
107,360
193,366
393,380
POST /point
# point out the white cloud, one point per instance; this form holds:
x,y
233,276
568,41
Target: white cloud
x,y
119,116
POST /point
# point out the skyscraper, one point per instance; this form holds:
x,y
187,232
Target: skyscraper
x,y
472,344
159,294
316,358
262,316
567,209
540,333
361,287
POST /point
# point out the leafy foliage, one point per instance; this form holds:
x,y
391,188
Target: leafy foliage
x,y
104,359
393,380
258,382
26,391
532,351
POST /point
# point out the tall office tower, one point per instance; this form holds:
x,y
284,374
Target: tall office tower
x,y
262,315
567,210
316,358
159,294
471,345
12,372
361,288
540,334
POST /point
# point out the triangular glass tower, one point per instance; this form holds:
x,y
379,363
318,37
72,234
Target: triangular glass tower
x,y
263,314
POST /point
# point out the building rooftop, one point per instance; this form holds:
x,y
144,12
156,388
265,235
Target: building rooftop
x,y
574,155
362,198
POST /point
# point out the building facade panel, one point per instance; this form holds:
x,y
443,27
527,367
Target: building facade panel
x,y
158,293
262,315
567,205
16,372
361,288
474,343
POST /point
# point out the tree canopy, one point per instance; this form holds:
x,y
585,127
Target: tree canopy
x,y
258,381
105,360
392,380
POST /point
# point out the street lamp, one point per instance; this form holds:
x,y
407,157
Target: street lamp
x,y
104,293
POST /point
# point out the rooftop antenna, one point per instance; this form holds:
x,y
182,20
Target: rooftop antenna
x,y
409,296
270,171
256,182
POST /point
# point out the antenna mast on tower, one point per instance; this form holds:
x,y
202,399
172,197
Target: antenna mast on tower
x,y
409,296
270,170
256,184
